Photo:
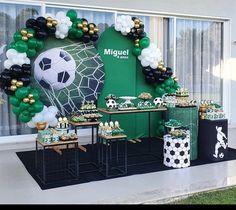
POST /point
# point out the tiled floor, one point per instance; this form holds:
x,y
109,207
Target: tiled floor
x,y
17,186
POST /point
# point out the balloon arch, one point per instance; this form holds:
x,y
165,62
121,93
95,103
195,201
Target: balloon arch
x,y
15,79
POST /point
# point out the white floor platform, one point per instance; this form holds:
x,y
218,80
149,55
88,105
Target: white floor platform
x,y
18,187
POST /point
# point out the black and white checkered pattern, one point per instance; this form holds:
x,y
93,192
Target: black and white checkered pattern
x,y
176,152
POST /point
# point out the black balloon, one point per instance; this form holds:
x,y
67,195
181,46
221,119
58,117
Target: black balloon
x,y
146,70
150,80
41,34
156,73
41,22
8,91
160,80
140,31
133,18
6,77
142,35
169,71
25,80
16,71
85,38
51,30
30,23
26,66
94,37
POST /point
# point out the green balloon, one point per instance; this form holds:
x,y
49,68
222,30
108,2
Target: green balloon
x,y
14,101
137,51
40,45
79,33
31,53
160,91
32,114
32,43
144,42
176,85
24,106
17,36
24,118
169,82
35,94
12,45
21,46
78,20
72,31
30,30
72,14
16,110
172,90
163,85
167,88
26,112
38,106
31,109
22,92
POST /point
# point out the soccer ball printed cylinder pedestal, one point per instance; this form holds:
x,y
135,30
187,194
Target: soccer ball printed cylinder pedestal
x,y
176,151
213,139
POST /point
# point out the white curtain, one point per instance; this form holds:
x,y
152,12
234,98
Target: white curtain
x,y
199,57
12,18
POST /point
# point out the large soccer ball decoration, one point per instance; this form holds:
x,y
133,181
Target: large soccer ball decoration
x,y
111,104
158,101
54,69
74,73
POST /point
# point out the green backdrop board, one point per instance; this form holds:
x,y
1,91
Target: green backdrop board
x,y
123,77
188,116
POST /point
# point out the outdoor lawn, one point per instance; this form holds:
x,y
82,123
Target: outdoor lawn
x,y
227,196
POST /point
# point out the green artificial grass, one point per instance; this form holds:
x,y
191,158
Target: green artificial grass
x,y
227,196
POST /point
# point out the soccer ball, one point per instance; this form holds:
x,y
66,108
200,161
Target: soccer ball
x,y
158,101
111,104
54,69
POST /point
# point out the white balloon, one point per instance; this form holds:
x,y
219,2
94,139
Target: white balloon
x,y
63,28
124,33
154,65
53,123
31,124
15,60
127,30
60,15
62,36
47,117
7,64
27,60
38,118
57,33
20,61
145,52
45,109
53,109
144,63
11,53
21,55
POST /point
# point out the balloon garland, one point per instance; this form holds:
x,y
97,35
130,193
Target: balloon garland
x,y
153,68
149,55
15,79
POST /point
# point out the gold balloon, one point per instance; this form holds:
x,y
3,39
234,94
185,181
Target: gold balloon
x,y
141,23
13,88
159,66
29,35
91,26
26,100
80,25
49,19
85,29
23,32
19,84
96,29
30,95
136,41
85,23
54,22
91,32
41,125
136,21
24,38
31,101
49,25
136,25
13,81
161,63
164,69
136,44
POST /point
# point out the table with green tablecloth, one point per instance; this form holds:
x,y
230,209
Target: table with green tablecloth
x,y
188,116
